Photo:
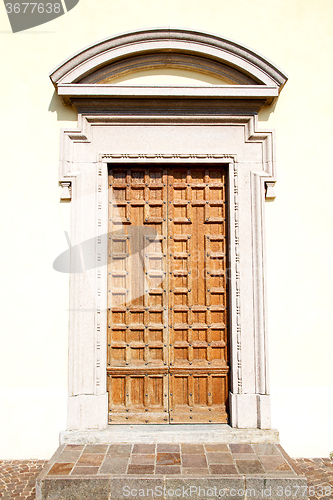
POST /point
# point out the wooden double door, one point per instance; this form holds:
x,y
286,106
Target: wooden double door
x,y
167,294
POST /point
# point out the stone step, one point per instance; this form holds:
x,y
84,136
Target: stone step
x,y
175,433
196,471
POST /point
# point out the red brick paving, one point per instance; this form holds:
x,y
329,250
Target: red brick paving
x,y
17,477
319,473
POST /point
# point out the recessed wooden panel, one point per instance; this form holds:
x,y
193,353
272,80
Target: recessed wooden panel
x,y
167,295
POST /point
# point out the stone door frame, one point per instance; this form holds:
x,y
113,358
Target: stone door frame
x,y
159,125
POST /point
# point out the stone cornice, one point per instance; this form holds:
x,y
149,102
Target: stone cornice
x,y
215,91
250,75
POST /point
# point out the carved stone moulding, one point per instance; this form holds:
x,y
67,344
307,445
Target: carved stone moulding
x,y
161,60
243,73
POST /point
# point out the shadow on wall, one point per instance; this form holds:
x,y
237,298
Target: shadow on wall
x,y
266,111
64,112
67,113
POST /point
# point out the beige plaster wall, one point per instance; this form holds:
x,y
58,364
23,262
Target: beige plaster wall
x,y
296,35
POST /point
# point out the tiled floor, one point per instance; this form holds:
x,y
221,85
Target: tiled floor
x,y
18,477
181,459
112,471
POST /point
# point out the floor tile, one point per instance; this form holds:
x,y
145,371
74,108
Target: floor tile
x,y
250,467
266,449
60,469
244,456
90,459
192,449
68,456
197,461
120,449
96,448
168,448
85,471
286,468
274,463
241,448
193,471
217,447
112,460
223,469
76,447
114,467
140,469
168,458
289,460
144,448
219,458
167,469
143,459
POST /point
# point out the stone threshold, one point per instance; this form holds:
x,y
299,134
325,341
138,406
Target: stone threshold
x,y
169,470
175,433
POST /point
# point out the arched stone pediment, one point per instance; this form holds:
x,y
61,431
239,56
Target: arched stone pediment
x,y
240,72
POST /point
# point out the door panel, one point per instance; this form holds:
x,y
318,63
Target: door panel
x,y
197,267
137,300
167,296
